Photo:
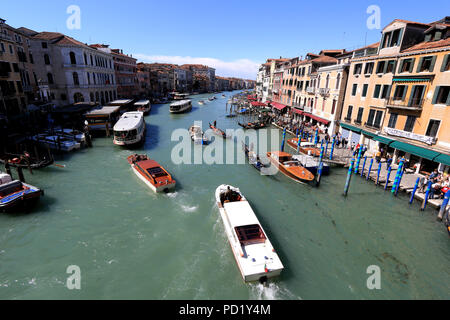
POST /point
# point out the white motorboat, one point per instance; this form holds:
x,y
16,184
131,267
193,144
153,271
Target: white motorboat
x,y
252,250
143,106
181,106
130,129
197,135
201,102
57,142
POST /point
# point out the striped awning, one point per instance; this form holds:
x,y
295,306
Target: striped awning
x,y
412,79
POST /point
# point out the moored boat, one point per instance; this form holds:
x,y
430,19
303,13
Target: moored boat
x,y
218,131
252,157
143,106
197,135
151,173
16,195
293,143
181,106
57,142
309,149
255,256
290,167
311,164
130,129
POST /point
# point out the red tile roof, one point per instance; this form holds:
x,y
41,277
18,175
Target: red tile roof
x,y
429,45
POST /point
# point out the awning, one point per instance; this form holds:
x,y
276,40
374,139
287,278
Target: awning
x,y
415,150
297,111
278,106
369,134
258,104
443,158
384,140
351,128
319,119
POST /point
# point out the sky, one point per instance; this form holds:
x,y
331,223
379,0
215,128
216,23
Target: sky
x,y
233,36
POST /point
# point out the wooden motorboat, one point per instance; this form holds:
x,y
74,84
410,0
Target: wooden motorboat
x,y
290,167
310,151
152,173
255,256
218,132
16,195
293,143
312,164
197,135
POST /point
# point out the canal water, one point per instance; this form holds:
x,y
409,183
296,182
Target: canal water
x,y
132,244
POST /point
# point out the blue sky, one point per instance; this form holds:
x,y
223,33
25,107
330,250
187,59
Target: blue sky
x,y
233,36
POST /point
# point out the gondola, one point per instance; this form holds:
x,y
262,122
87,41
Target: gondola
x,y
26,161
253,158
218,132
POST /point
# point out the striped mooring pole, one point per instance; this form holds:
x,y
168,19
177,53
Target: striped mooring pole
x,y
364,166
349,178
358,161
326,148
310,137
319,174
399,182
427,195
299,144
322,151
284,139
416,186
316,138
370,169
387,178
332,149
378,174
444,205
397,177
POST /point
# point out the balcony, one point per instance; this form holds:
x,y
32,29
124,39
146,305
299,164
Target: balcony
x,y
5,37
324,91
311,90
412,104
308,109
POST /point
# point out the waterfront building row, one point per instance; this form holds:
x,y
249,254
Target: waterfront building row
x,y
392,96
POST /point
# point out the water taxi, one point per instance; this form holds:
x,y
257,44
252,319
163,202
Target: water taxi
x,y
254,254
197,135
181,106
152,173
309,148
143,106
15,195
130,129
290,167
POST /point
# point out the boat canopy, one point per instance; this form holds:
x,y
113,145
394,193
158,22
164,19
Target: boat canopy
x,y
180,103
142,103
102,111
129,121
240,214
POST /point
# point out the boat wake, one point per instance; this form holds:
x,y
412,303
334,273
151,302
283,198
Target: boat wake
x,y
270,291
189,209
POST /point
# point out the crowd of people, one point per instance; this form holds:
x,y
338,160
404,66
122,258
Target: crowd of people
x,y
440,184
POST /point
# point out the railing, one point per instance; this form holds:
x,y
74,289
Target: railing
x,y
5,37
311,90
324,91
412,104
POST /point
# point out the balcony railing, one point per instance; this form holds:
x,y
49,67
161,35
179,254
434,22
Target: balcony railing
x,y
412,104
308,109
5,37
324,91
311,90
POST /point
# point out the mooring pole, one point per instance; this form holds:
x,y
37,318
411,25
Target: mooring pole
x,y
319,173
444,206
378,174
20,173
416,186
358,161
427,195
387,178
370,169
284,139
349,178
399,182
397,177
364,166
332,149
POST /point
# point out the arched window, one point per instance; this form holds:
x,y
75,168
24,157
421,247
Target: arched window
x,y
338,81
97,98
73,59
50,78
89,78
92,97
328,81
46,59
318,82
76,80
85,59
78,97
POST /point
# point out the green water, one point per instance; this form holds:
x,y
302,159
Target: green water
x,y
133,244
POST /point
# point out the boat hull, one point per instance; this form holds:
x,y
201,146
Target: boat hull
x,y
165,188
307,178
21,201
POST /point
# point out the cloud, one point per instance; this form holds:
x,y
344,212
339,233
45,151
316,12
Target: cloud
x,y
241,68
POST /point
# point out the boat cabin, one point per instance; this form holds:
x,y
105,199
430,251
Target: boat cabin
x,y
124,105
251,234
282,157
102,118
143,105
130,128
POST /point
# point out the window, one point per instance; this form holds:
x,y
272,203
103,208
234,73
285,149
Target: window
x,y
357,69
378,118
393,120
380,66
376,93
395,41
369,68
360,115
441,95
15,67
400,93
2,47
50,78
44,45
349,113
433,128
426,64
446,63
410,122
46,59
365,88
338,81
333,108
76,80
73,59
390,66
386,92
11,49
327,81
406,65
386,40
85,59
355,88
371,117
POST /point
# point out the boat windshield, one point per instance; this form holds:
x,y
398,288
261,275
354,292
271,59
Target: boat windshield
x,y
157,172
251,234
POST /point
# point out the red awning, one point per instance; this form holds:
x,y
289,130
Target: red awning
x,y
300,112
318,119
278,106
258,104
251,97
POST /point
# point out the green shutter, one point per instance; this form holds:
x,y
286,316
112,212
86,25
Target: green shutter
x,y
382,41
436,92
385,66
389,92
400,37
444,62
433,62
419,65
411,95
404,92
448,100
411,68
400,66
394,67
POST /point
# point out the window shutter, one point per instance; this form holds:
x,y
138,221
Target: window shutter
x,y
389,92
444,62
385,66
411,95
382,41
419,65
400,37
448,100
433,62
411,68
400,66
404,92
436,92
